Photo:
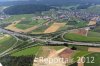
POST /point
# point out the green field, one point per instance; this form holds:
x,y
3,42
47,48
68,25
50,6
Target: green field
x,y
97,29
93,34
79,54
41,29
13,18
6,43
80,38
96,59
27,52
29,23
23,26
77,22
56,47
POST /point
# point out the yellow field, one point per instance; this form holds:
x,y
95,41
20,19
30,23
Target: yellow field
x,y
54,27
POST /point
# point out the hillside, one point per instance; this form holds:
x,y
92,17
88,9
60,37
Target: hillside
x,y
48,2
26,9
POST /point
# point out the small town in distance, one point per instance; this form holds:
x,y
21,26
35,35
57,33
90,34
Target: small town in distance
x,y
50,33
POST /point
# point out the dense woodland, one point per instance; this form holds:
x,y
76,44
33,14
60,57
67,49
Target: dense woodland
x,y
17,61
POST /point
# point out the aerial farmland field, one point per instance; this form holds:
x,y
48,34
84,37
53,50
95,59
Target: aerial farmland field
x,y
76,37
96,59
54,27
49,32
25,25
6,42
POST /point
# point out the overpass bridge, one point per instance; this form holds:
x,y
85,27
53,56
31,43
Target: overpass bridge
x,y
73,43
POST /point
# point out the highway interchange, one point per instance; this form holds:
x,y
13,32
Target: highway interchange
x,y
48,42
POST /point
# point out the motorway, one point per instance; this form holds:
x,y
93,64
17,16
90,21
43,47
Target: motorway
x,y
49,42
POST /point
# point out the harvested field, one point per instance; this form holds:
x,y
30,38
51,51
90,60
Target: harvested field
x,y
54,27
93,49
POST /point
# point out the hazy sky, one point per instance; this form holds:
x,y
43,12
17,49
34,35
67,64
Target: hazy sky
x,y
6,0
38,0
13,0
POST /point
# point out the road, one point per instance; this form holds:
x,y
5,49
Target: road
x,y
49,42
